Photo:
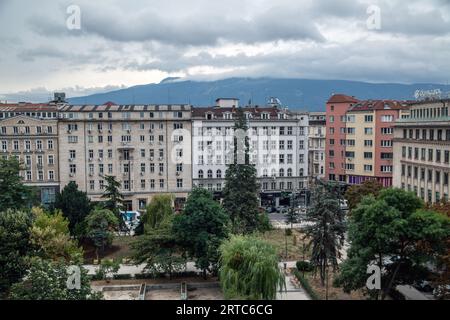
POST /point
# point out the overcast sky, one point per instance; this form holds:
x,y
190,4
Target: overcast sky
x,y
124,43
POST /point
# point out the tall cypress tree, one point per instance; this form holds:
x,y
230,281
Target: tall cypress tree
x,y
241,187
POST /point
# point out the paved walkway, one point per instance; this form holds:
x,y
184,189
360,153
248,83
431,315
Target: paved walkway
x,y
292,291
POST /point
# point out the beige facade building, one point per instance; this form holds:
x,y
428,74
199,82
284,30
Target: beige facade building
x,y
29,132
317,139
422,150
146,147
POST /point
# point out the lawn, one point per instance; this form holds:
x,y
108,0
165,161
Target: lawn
x,y
119,249
278,239
333,293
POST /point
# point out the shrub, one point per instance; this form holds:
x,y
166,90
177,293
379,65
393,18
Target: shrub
x,y
288,232
304,266
305,284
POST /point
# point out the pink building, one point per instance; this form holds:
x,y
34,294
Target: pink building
x,y
359,143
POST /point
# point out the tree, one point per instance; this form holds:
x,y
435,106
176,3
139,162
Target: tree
x,y
114,199
240,194
107,269
13,193
443,260
386,231
249,269
326,230
51,237
355,193
100,226
47,280
14,246
159,250
75,206
157,211
201,228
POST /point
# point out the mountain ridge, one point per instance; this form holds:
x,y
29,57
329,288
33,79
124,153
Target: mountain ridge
x,y
297,94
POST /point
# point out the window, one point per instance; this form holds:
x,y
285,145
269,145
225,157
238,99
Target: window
x,y
368,131
368,143
387,131
200,174
368,167
219,174
387,118
368,118
386,143
386,169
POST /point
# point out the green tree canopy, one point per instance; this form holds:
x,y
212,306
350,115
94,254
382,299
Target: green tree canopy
x,y
157,211
355,193
13,193
241,191
50,235
326,230
74,204
249,269
100,227
14,246
158,249
389,231
47,280
201,228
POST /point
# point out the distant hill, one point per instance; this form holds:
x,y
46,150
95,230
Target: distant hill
x,y
298,94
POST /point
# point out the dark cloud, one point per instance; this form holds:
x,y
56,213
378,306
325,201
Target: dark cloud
x,y
121,41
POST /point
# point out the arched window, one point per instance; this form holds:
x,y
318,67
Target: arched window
x,y
210,174
281,172
265,173
274,173
301,172
200,174
289,172
219,173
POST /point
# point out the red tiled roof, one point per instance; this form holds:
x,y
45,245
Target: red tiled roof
x,y
28,107
367,105
342,98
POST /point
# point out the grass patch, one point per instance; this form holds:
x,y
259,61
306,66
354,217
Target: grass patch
x,y
277,238
119,250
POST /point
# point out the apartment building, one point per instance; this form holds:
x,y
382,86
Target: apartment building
x,y
29,132
317,139
422,150
147,147
336,110
278,147
363,148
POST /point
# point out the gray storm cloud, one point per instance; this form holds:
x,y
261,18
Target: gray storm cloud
x,y
318,39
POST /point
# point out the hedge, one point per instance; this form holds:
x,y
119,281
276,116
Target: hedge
x,y
305,284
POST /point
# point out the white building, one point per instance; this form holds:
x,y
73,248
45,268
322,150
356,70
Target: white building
x,y
278,148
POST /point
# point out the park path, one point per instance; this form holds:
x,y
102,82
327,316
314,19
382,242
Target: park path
x,y
292,291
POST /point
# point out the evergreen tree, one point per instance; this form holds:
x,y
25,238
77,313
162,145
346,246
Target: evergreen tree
x,y
114,199
75,206
240,194
100,226
13,193
326,230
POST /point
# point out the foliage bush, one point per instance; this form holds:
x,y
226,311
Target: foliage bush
x,y
305,284
304,266
249,269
